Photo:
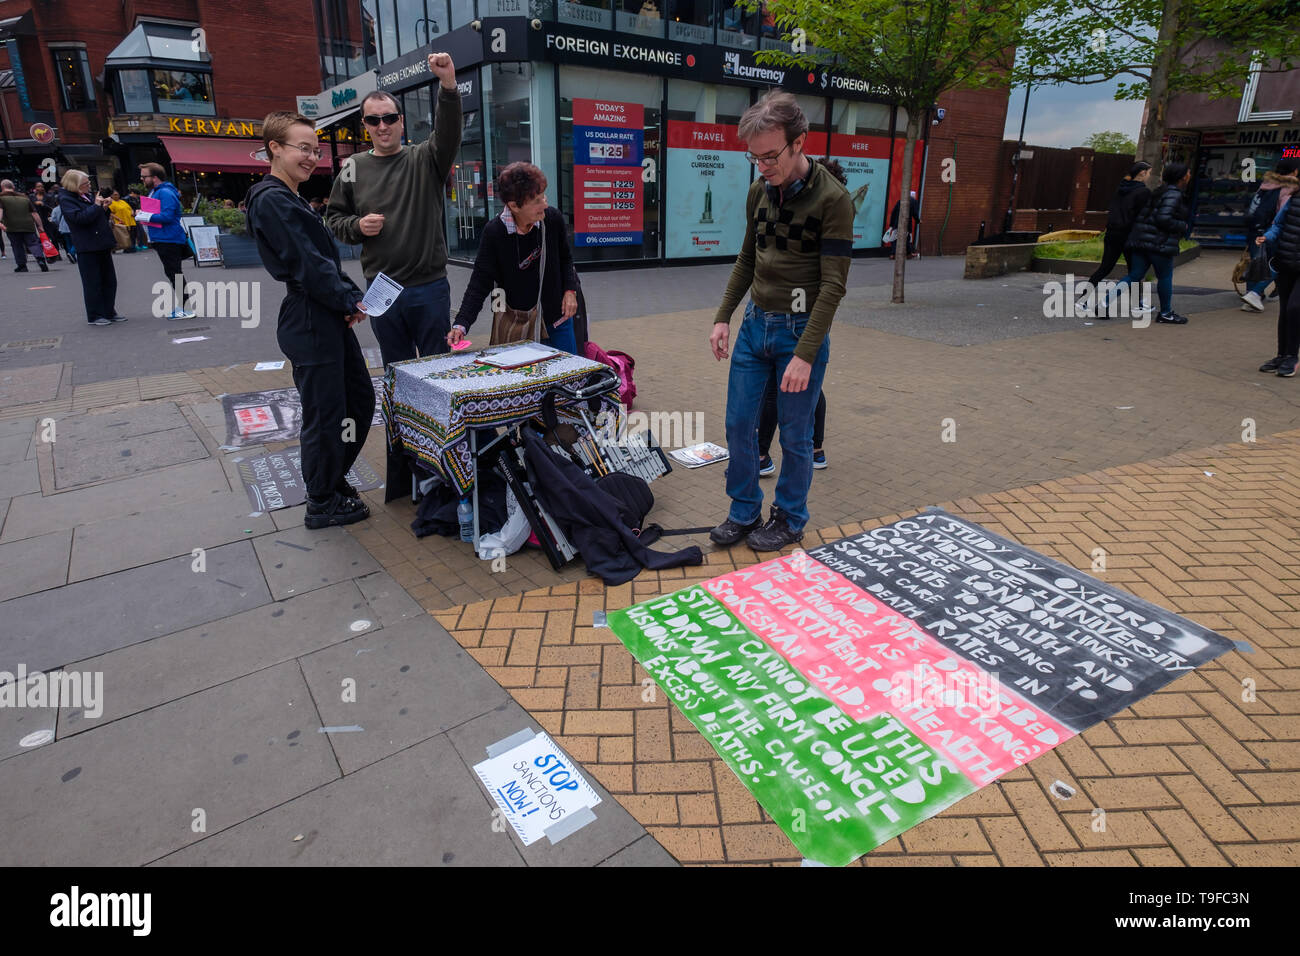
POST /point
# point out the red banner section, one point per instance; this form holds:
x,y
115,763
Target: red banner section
x,y
875,662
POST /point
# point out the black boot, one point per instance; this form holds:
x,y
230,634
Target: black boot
x,y
21,268
335,510
41,263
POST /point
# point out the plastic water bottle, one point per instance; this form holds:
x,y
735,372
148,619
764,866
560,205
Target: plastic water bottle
x,y
465,515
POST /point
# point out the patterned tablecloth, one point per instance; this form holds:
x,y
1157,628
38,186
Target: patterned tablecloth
x,y
431,403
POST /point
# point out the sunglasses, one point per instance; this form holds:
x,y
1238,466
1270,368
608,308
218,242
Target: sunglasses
x,y
388,119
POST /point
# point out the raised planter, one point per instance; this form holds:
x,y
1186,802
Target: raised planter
x,y
238,252
985,262
1086,267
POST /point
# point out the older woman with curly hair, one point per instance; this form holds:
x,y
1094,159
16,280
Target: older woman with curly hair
x,y
525,251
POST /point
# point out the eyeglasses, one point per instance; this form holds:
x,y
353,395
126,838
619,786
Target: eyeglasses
x,y
388,119
765,160
311,151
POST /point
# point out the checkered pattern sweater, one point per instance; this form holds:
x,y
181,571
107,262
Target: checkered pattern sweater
x,y
796,249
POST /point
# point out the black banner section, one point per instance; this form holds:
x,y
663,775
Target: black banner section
x,y
275,481
1075,646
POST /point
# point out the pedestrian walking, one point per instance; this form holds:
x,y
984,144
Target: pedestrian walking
x,y
123,219
20,222
167,235
90,222
320,307
913,221
60,223
525,251
1279,185
1153,243
1283,242
1130,196
391,201
795,256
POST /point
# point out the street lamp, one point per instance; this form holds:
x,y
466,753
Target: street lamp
x,y
428,31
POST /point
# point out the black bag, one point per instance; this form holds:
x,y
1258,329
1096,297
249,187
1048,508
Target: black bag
x,y
1258,270
1262,209
633,494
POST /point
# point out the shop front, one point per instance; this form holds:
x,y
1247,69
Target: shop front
x,y
636,132
1228,165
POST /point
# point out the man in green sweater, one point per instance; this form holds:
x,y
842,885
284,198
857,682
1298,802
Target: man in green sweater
x,y
390,199
798,240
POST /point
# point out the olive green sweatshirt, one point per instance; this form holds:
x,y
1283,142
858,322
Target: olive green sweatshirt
x,y
796,255
407,188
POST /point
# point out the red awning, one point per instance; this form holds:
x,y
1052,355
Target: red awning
x,y
217,154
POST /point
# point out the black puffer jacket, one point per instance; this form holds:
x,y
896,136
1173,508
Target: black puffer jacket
x,y
1125,205
1161,223
1287,248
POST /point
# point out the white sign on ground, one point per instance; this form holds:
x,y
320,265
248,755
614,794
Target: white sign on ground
x,y
538,789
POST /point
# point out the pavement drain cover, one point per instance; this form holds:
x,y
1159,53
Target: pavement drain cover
x,y
26,345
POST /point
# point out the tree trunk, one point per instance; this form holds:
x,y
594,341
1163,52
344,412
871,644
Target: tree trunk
x,y
1158,98
914,117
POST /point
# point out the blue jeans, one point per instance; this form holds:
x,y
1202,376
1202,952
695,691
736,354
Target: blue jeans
x,y
416,324
1259,287
764,346
1139,262
563,338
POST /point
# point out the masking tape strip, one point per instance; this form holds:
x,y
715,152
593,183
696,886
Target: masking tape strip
x,y
510,743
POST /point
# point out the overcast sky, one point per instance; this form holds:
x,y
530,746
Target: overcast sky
x,y
1065,115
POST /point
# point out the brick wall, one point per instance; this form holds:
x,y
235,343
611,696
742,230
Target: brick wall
x,y
973,126
271,58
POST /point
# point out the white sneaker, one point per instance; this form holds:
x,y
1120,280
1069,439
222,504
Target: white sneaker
x,y
179,314
1253,302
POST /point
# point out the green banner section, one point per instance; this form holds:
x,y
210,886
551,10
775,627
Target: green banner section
x,y
837,787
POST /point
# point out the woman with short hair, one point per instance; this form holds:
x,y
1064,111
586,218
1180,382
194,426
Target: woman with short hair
x,y
314,330
90,223
527,236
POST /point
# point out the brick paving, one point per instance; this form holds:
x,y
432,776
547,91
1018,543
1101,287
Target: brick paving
x,y
1048,430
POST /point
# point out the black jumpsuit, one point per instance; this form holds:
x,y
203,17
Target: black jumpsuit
x,y
328,366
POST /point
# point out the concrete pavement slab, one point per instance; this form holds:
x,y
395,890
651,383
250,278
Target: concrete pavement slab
x,y
14,447
33,514
128,792
420,807
25,728
300,559
92,617
19,478
411,681
102,547
388,599
155,672
118,424
613,829
36,383
84,462
18,426
34,564
644,852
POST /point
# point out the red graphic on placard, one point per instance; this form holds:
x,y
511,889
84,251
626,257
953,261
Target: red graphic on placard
x,y
872,660
867,147
719,136
608,113
254,419
607,199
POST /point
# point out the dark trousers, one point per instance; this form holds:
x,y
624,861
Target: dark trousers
x,y
415,325
98,284
1112,247
767,419
172,255
1288,318
332,393
24,242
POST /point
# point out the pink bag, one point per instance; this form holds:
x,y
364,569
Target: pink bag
x,y
620,362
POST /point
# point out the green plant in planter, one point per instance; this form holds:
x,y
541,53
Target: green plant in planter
x,y
230,220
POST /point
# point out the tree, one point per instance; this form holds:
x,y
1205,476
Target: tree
x,y
1159,48
1111,141
911,52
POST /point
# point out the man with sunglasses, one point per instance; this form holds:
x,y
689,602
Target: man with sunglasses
x,y
794,260
390,199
